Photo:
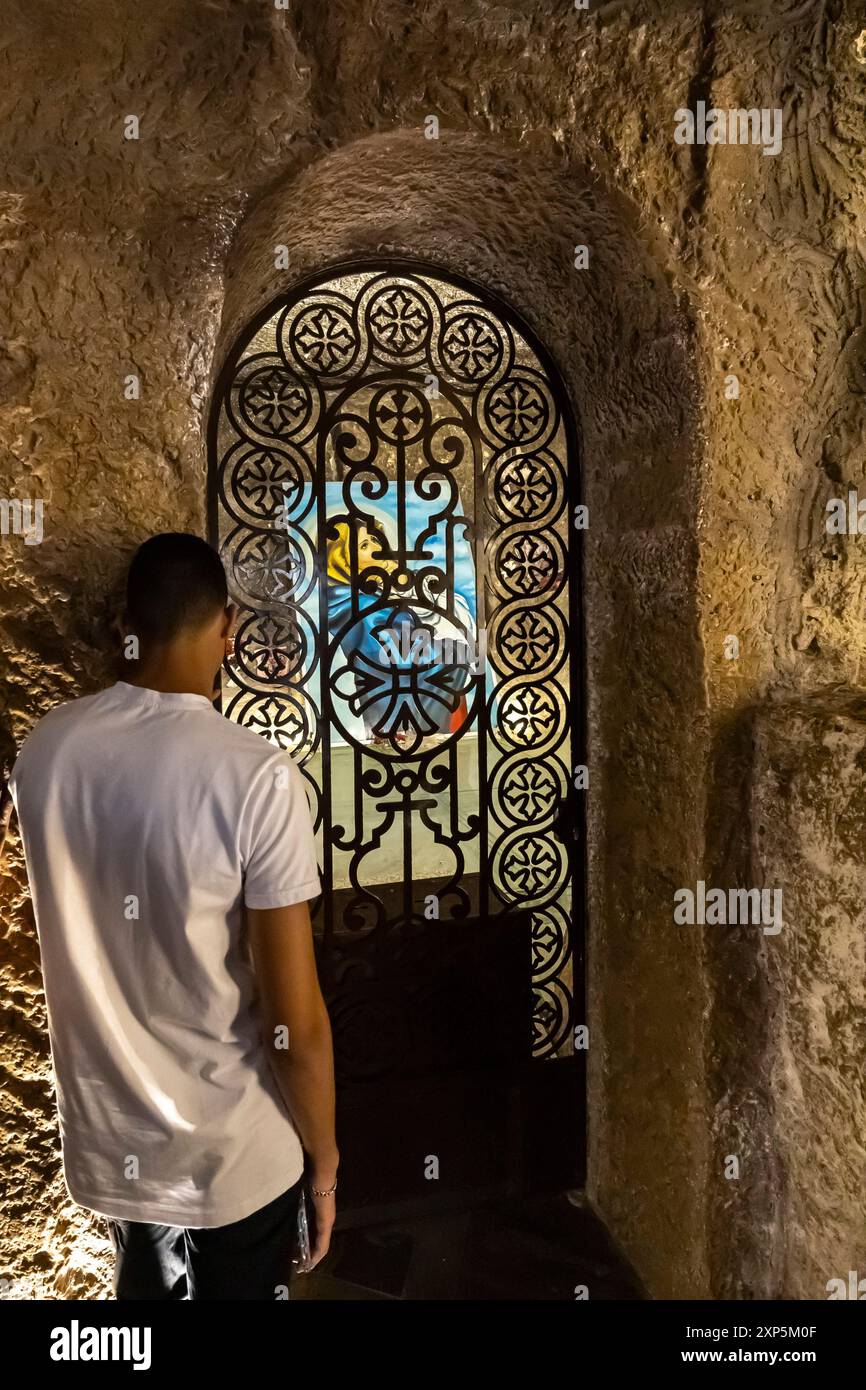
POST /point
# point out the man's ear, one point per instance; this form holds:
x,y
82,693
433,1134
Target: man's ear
x,y
229,618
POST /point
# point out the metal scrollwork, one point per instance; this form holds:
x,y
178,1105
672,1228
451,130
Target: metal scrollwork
x,y
391,498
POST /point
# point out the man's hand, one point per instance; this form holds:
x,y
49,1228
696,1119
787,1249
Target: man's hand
x,y
325,1212
6,808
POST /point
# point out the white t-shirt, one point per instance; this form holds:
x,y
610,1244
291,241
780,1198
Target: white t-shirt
x,y
147,821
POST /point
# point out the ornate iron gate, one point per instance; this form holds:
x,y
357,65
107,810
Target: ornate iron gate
x,y
392,486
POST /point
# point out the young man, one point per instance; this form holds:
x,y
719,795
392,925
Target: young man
x,y
171,860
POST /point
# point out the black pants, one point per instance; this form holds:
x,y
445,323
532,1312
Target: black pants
x,y
251,1258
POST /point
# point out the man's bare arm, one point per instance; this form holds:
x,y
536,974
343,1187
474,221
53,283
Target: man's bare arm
x,y
281,943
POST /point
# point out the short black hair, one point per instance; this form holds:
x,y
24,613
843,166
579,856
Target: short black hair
x,y
176,581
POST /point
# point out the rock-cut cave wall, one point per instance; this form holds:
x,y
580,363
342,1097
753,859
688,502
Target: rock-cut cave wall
x,y
306,126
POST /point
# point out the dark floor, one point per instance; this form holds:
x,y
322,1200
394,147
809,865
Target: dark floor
x,y
537,1248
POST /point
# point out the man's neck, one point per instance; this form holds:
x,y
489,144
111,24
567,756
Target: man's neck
x,y
168,680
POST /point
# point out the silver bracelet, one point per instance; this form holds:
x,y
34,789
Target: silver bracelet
x,y
330,1192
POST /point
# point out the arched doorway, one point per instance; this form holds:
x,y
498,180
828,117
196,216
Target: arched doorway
x,y
393,483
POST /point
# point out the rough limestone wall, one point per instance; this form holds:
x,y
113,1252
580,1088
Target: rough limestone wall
x,y
808,829
780,266
111,261
112,256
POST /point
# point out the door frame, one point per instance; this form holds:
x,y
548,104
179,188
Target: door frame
x,y
577,663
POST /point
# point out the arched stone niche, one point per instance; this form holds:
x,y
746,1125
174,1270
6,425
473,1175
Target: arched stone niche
x,y
510,223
